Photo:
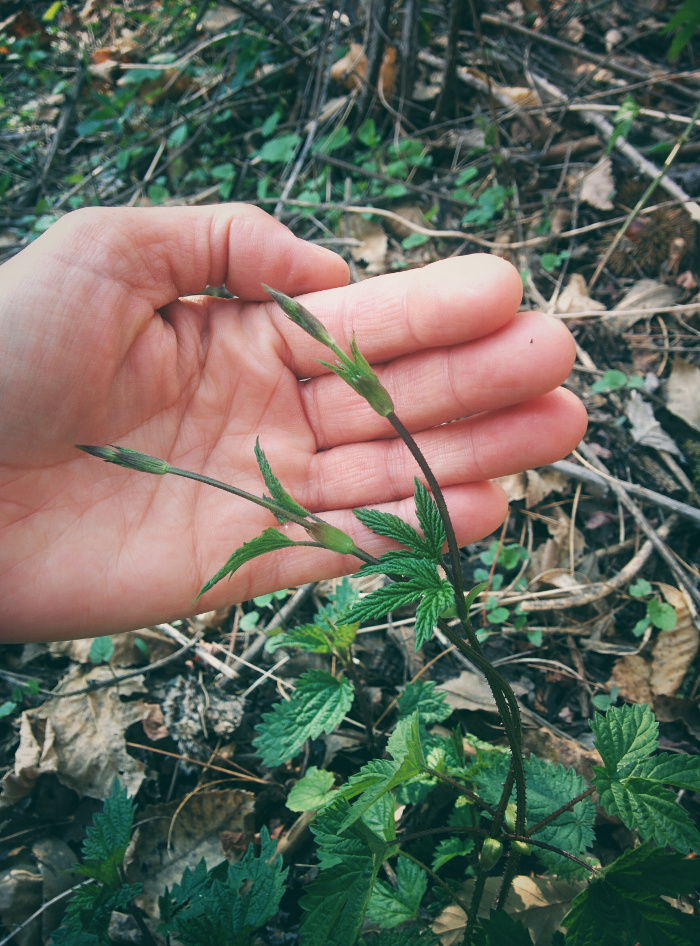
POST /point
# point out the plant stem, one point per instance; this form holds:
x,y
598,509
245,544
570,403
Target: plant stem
x,y
456,569
473,911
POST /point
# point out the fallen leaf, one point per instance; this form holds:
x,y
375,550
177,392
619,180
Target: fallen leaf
x,y
80,739
683,392
179,834
373,244
597,185
645,428
644,294
570,753
674,650
575,298
538,902
533,485
631,677
470,691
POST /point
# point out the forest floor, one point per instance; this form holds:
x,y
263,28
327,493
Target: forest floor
x,y
559,136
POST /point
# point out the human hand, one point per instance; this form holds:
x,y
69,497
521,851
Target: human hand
x,y
97,344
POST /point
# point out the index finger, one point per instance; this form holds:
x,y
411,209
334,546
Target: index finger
x,y
445,303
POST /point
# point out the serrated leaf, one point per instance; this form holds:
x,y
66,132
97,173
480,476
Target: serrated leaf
x,y
107,839
680,770
267,541
314,639
500,929
411,936
380,776
392,527
622,904
231,909
624,735
318,705
650,809
389,906
335,903
550,786
449,848
421,697
278,493
379,602
192,884
312,791
430,520
429,609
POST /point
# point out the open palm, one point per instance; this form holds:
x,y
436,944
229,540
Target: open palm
x,y
103,340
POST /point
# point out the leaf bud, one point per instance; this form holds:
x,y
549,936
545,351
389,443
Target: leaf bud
x,y
130,459
331,538
521,847
510,816
302,317
490,853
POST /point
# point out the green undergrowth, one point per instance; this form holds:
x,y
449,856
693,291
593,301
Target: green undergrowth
x,y
380,876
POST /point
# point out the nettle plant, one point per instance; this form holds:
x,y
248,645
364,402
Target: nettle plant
x,y
504,807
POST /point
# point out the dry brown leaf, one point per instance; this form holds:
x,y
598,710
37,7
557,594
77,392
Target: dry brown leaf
x,y
539,903
373,244
683,397
470,691
178,835
80,739
631,677
644,294
675,650
571,754
645,428
575,297
533,485
597,186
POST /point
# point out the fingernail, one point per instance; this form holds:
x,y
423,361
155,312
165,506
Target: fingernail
x,y
324,251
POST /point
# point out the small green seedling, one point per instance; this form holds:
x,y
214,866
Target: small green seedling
x,y
18,696
659,613
614,380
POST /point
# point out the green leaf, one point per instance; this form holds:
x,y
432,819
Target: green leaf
x,y
388,598
267,541
641,588
312,791
392,527
230,910
279,150
107,839
623,904
87,916
500,929
389,906
318,705
631,785
101,650
336,902
409,936
497,615
280,496
625,735
612,380
421,697
7,708
661,614
449,848
430,520
333,141
368,133
549,787
270,123
429,609
414,239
